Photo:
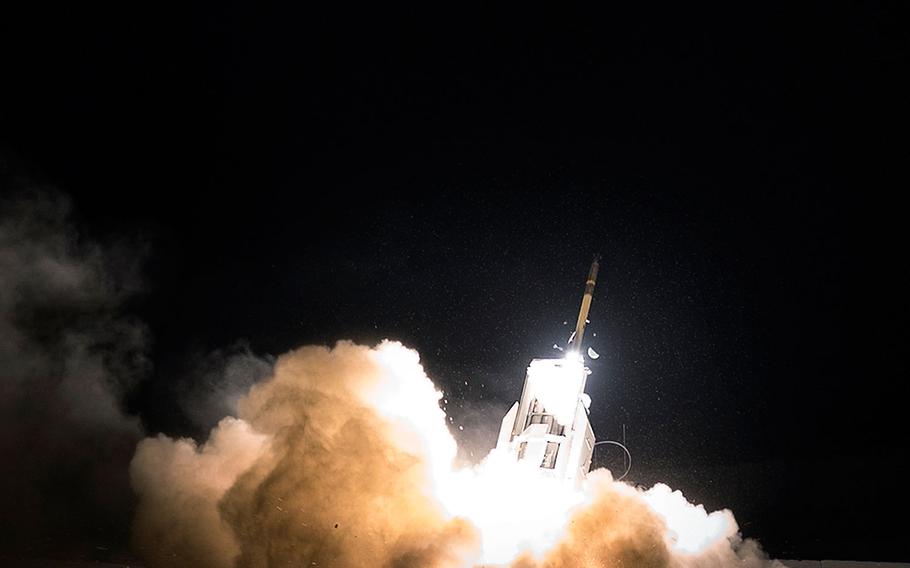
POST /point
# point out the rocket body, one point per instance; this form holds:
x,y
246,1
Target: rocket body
x,y
578,336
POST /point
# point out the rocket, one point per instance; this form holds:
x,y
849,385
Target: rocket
x,y
579,333
548,427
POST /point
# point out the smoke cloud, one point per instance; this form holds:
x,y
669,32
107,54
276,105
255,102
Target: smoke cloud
x,y
331,462
67,356
342,458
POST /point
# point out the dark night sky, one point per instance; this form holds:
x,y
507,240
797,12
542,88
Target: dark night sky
x,y
445,178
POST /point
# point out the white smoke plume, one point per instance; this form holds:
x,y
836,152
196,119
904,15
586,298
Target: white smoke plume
x,y
67,357
342,457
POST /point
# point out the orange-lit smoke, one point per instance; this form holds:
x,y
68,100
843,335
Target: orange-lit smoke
x,y
343,458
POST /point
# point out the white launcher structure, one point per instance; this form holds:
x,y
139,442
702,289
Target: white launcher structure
x,y
549,428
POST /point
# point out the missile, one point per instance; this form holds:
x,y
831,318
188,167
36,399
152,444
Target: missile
x,y
577,335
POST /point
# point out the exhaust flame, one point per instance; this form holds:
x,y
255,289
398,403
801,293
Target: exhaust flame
x,y
557,386
343,458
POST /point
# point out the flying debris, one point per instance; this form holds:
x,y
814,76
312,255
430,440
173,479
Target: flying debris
x,y
548,427
593,354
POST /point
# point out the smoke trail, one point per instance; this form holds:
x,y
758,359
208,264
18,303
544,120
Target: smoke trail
x,y
67,356
342,458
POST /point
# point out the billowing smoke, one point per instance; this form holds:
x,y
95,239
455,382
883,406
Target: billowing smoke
x,y
331,461
342,457
67,356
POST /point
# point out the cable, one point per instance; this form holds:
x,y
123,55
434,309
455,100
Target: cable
x,y
625,449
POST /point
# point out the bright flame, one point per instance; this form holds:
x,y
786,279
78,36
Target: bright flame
x,y
558,384
515,509
518,511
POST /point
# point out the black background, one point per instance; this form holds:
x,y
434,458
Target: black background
x,y
443,178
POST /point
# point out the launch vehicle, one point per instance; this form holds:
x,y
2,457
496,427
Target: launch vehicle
x,y
548,427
